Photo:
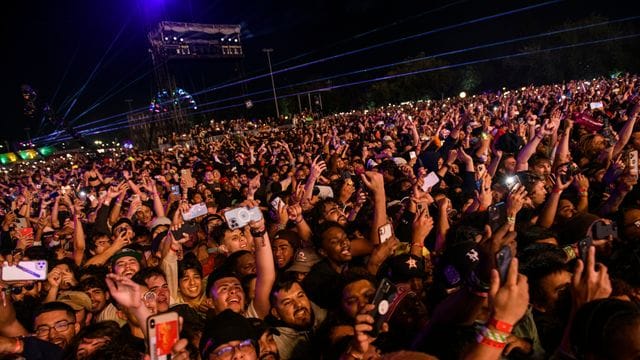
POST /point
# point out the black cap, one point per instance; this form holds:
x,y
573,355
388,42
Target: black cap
x,y
223,328
402,268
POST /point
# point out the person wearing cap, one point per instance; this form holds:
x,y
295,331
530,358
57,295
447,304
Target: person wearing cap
x,y
121,235
285,244
267,344
303,262
126,262
80,303
229,335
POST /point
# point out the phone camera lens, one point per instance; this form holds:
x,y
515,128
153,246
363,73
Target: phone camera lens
x,y
152,323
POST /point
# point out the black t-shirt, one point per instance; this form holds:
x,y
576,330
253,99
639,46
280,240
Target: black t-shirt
x,y
322,285
136,343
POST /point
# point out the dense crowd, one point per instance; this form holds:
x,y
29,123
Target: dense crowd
x,y
500,225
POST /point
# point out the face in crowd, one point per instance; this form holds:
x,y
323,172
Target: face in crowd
x,y
227,293
336,246
56,326
293,307
126,266
191,284
158,285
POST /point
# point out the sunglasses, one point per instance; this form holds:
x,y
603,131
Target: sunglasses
x,y
17,290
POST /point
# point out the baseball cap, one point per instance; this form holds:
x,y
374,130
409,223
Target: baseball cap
x,y
304,260
261,327
402,268
160,220
125,252
78,300
223,328
289,235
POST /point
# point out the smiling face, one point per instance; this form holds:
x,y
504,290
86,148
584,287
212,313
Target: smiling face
x,y
191,284
336,246
98,298
227,293
233,241
126,266
282,252
57,327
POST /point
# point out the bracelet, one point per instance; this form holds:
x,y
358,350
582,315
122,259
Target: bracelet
x,y
583,193
501,325
556,191
511,219
494,335
570,252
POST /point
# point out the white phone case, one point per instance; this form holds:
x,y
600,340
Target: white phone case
x,y
25,270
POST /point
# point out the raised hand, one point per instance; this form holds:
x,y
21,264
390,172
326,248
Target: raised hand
x,y
373,181
590,281
509,301
317,167
124,290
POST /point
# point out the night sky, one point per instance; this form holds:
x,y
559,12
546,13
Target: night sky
x,y
54,46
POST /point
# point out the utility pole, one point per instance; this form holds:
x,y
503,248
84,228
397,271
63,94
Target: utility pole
x,y
273,86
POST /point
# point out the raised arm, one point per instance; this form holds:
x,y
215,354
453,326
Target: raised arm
x,y
265,268
522,162
375,182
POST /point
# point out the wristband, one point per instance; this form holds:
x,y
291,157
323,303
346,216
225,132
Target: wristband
x,y
500,325
485,341
511,219
556,191
257,234
497,336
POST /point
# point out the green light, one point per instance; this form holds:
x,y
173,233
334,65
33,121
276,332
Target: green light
x,y
29,154
46,150
8,158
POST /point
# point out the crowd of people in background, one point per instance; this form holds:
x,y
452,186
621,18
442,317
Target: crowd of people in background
x,y
498,225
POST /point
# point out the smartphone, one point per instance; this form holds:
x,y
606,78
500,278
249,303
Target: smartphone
x,y
164,332
497,215
26,271
512,182
186,228
185,174
596,105
583,248
26,232
175,189
601,230
385,232
195,211
275,203
503,261
430,181
633,162
385,294
412,154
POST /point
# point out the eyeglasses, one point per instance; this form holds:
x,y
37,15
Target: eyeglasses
x,y
227,352
17,290
60,326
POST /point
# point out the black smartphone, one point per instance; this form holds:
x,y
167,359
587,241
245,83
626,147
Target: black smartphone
x,y
497,215
601,230
503,261
583,248
385,294
186,228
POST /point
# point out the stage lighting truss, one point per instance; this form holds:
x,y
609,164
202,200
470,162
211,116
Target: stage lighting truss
x,y
164,100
